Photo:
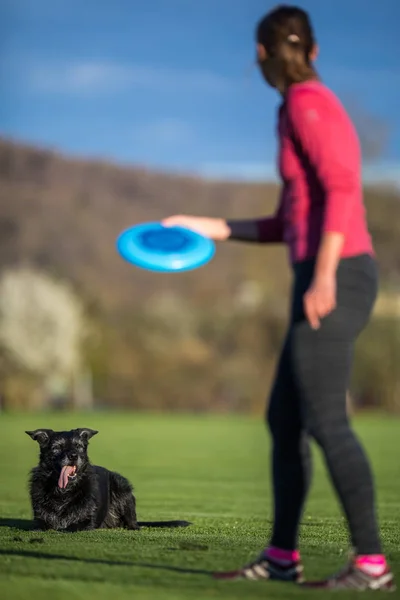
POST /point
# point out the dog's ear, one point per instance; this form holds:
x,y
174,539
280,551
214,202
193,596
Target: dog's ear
x,y
86,433
41,436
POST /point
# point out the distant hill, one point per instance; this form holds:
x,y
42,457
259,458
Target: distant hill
x,y
64,214
193,341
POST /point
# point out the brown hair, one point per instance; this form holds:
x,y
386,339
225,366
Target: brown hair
x,y
287,35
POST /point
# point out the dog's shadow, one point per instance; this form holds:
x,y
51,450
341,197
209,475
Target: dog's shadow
x,y
21,524
29,525
99,561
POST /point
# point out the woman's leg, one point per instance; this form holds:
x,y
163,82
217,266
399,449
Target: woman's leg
x,y
323,362
291,458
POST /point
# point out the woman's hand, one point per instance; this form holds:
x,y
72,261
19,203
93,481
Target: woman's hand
x,y
216,229
320,299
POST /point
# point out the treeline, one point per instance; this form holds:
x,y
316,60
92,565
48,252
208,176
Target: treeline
x,y
203,340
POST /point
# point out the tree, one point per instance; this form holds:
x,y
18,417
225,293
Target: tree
x,y
42,325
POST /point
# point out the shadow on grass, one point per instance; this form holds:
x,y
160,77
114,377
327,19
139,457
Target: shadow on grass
x,y
22,524
100,561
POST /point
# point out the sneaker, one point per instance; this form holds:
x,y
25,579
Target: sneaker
x,y
264,568
353,578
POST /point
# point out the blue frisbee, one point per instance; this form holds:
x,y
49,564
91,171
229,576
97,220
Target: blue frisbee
x,y
154,247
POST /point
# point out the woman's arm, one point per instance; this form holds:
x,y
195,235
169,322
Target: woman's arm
x,y
328,255
325,137
320,298
268,230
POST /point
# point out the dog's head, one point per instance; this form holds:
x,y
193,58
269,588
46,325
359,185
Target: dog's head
x,y
63,452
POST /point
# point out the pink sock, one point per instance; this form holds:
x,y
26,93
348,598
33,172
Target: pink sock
x,y
282,557
373,564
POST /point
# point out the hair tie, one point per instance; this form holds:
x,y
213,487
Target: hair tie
x,y
293,38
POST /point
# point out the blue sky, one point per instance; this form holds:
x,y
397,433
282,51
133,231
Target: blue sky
x,y
170,83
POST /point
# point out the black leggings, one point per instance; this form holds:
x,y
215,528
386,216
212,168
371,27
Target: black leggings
x,y
308,399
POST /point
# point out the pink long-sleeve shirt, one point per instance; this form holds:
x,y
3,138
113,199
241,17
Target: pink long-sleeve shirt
x,y
320,165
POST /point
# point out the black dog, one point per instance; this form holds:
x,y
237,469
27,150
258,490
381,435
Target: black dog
x,y
69,493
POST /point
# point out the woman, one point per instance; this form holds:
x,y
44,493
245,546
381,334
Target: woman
x,y
321,217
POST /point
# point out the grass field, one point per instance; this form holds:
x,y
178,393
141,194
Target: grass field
x,y
212,471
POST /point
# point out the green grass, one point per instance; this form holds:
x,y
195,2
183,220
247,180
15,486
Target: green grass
x,y
212,471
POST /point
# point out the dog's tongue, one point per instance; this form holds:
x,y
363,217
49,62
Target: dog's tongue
x,y
65,473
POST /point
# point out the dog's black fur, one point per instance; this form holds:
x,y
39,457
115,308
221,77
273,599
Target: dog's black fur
x,y
93,498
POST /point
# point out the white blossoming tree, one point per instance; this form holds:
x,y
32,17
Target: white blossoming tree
x,y
42,326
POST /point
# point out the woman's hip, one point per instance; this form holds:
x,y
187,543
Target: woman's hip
x,y
356,291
